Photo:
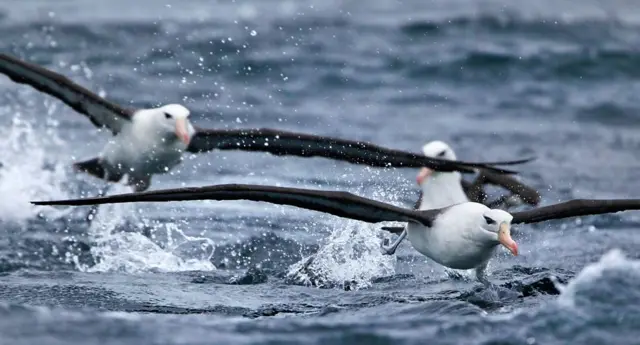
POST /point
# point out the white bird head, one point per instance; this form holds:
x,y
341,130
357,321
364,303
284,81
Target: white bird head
x,y
434,149
438,149
497,224
174,118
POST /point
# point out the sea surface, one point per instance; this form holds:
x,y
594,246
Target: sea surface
x,y
502,79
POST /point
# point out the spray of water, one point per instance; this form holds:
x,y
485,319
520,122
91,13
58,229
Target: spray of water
x,y
34,166
165,249
28,171
351,255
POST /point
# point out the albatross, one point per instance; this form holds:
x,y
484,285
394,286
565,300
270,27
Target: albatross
x,y
444,188
151,141
462,236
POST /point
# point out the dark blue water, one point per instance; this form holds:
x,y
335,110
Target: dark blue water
x,y
495,79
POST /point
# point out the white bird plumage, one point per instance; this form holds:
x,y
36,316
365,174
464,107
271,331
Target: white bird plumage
x,y
463,237
460,239
439,189
151,143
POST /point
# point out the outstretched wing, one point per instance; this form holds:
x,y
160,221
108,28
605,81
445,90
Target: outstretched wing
x,y
101,112
526,193
340,204
574,208
393,229
306,145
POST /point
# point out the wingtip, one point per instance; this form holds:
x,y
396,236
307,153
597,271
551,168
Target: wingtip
x,y
393,229
501,170
521,161
50,203
513,162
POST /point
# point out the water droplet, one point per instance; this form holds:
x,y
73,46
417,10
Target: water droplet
x,y
253,32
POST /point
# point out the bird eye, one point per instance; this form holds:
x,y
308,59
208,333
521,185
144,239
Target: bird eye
x,y
441,154
167,116
489,220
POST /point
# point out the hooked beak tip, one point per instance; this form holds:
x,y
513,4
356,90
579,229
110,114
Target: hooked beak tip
x,y
185,138
505,239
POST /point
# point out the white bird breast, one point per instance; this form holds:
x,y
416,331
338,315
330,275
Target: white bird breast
x,y
456,239
141,147
442,190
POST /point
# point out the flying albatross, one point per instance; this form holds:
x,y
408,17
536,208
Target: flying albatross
x,y
444,188
462,236
152,141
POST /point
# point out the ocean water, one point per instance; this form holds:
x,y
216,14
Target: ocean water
x,y
495,79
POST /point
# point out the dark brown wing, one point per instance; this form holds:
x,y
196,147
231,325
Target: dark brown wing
x,y
574,208
340,204
306,145
474,190
101,112
526,193
393,229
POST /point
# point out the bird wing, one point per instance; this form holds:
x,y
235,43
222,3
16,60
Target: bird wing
x,y
342,204
526,193
101,112
306,145
574,208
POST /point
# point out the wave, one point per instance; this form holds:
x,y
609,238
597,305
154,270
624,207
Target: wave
x,y
513,24
598,303
611,114
597,63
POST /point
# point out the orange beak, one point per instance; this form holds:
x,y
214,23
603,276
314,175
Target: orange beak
x,y
181,131
504,236
423,174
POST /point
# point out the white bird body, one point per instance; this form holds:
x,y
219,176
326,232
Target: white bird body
x,y
455,240
151,142
142,148
442,190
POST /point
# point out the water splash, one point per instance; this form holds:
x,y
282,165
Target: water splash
x,y
132,252
351,255
31,171
165,249
28,173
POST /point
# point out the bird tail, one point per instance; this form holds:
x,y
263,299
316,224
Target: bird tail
x,y
95,168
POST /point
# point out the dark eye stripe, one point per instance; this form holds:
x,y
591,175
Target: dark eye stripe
x,y
441,154
167,115
489,220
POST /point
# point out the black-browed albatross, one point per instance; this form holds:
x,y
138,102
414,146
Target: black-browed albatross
x,y
441,189
461,236
152,141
